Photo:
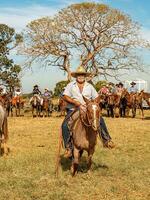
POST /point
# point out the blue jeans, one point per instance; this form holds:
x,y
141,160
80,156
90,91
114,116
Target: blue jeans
x,y
104,134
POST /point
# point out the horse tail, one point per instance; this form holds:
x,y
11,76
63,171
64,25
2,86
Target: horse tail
x,y
58,153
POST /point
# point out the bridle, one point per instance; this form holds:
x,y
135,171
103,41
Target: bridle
x,y
82,119
87,124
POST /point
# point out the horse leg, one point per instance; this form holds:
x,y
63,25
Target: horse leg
x,y
16,111
89,161
19,111
112,111
142,111
133,111
75,162
127,111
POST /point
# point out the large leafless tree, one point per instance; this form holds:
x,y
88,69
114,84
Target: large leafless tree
x,y
105,39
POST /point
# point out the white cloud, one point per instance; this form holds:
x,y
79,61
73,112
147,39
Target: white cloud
x,y
18,18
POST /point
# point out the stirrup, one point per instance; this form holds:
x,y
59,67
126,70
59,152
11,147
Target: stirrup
x,y
68,153
109,144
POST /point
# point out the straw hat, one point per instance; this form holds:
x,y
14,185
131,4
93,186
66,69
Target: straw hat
x,y
80,71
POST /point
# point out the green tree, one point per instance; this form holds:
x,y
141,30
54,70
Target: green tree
x,y
9,72
99,85
59,87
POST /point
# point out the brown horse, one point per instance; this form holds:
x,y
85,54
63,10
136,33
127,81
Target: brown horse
x,y
18,104
145,96
134,101
3,129
84,132
113,105
85,128
47,106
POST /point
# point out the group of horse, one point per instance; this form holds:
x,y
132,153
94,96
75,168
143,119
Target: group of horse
x,y
41,106
119,105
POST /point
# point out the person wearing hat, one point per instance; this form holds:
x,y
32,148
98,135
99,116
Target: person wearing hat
x,y
73,94
36,92
133,88
104,89
47,93
17,92
112,88
120,88
2,91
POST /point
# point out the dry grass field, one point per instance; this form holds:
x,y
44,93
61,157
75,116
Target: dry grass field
x,y
119,174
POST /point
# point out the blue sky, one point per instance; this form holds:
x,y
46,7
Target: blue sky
x,y
17,14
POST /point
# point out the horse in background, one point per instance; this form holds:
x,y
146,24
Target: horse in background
x,y
3,129
47,107
113,105
17,104
36,104
145,96
133,101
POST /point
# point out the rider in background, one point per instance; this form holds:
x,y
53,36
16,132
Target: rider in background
x,y
104,90
47,93
119,88
36,90
133,88
2,91
112,88
17,92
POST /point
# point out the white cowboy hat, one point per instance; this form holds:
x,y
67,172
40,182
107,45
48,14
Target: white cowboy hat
x,y
80,71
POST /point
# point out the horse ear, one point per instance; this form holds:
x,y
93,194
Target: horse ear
x,y
97,99
86,100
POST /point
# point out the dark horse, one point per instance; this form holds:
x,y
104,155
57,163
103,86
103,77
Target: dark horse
x,y
84,133
3,129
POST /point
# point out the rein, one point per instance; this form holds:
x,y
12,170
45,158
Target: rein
x,y
83,121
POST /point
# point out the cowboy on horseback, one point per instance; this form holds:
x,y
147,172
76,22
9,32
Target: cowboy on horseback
x,y
73,94
120,88
133,88
17,92
47,94
104,89
36,92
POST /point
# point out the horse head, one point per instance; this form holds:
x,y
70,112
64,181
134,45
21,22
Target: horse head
x,y
93,113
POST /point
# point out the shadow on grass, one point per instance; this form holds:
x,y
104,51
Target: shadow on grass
x,y
147,118
66,164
